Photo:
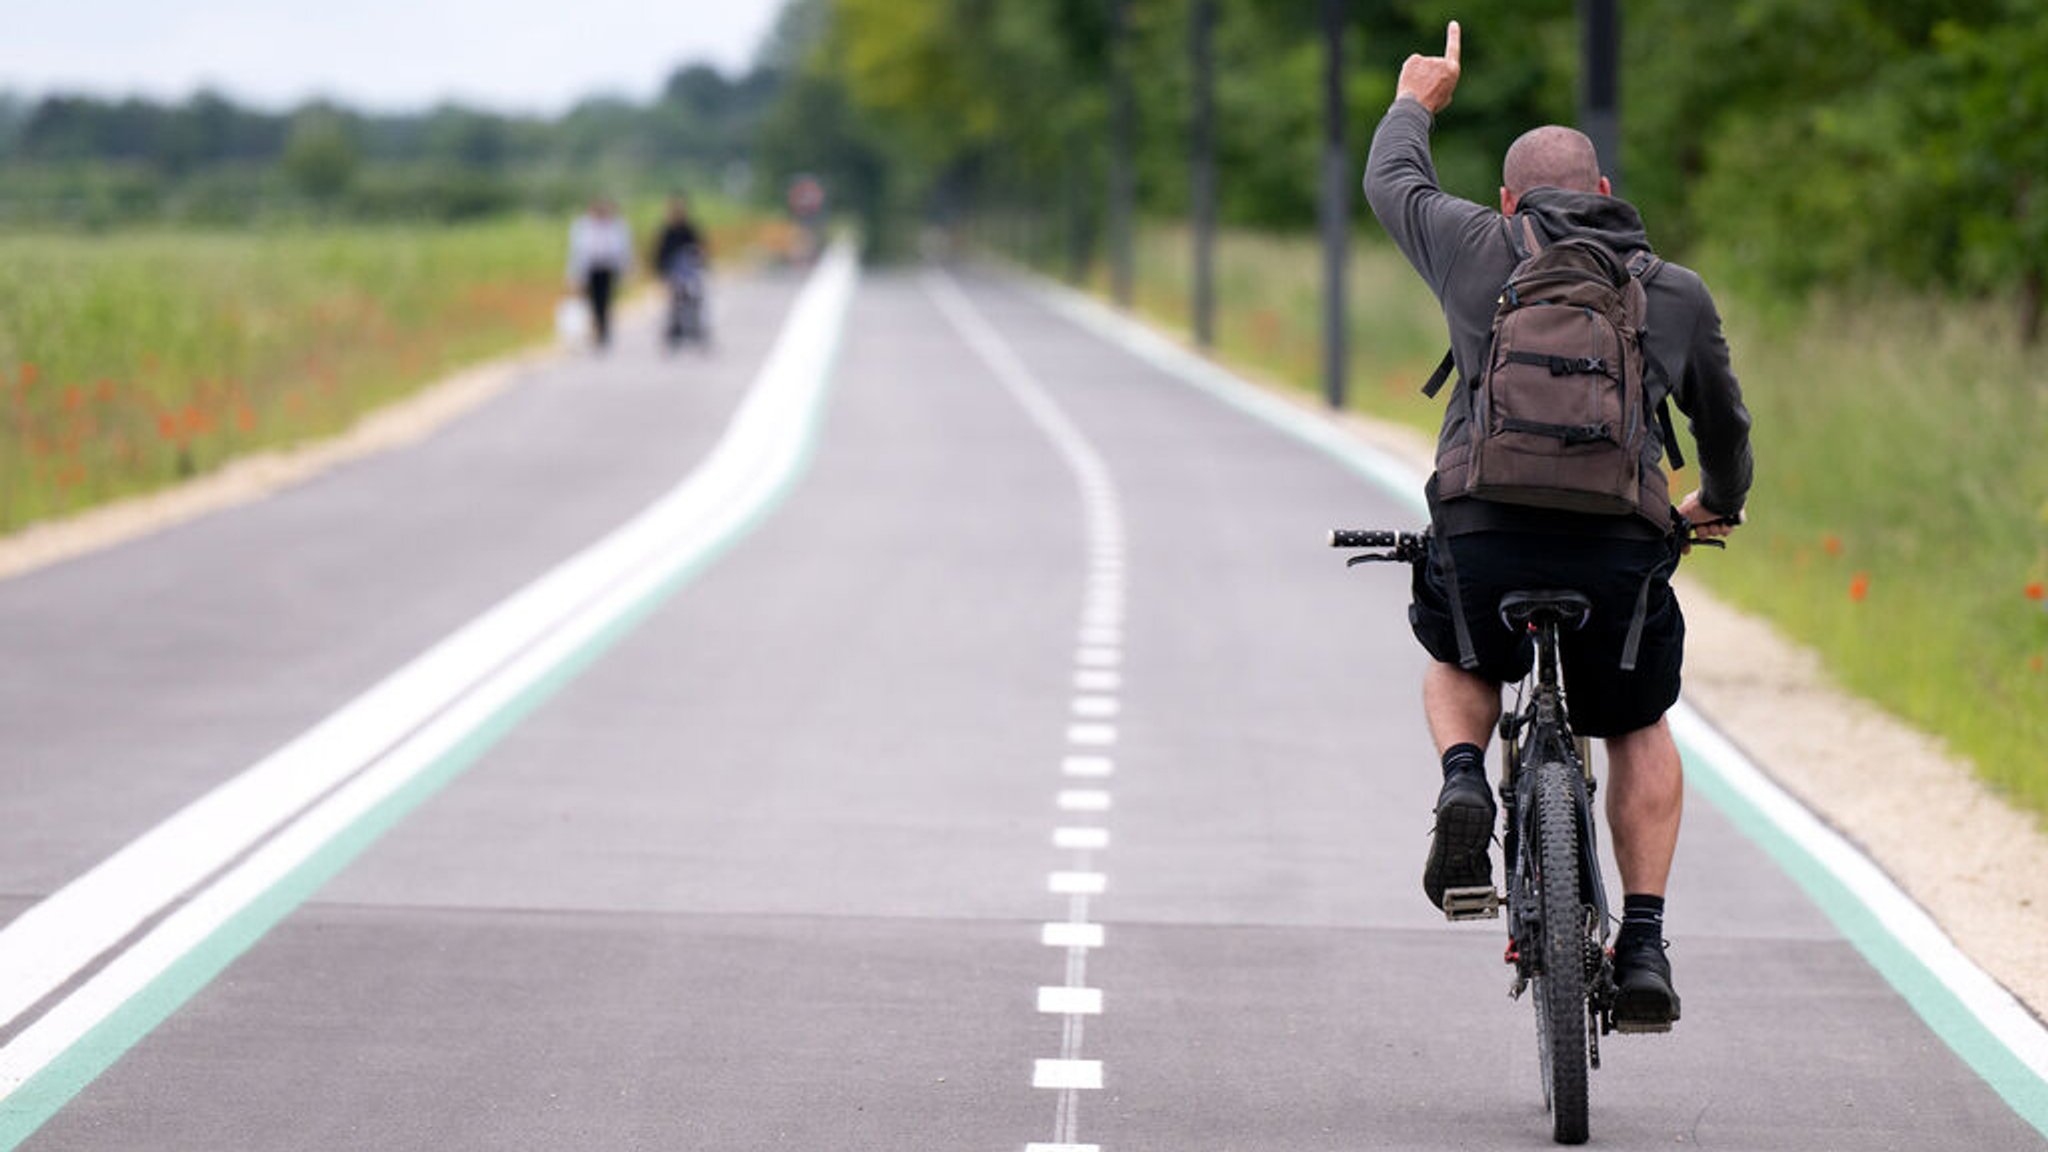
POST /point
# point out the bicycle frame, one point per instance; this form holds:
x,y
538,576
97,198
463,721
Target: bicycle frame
x,y
1542,719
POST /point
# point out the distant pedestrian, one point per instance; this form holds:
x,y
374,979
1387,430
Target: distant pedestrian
x,y
600,255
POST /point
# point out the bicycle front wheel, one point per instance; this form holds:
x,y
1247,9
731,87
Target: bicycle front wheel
x,y
1561,983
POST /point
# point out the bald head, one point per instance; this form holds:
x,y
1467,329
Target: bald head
x,y
1552,156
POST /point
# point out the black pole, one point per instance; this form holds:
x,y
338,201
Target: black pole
x,y
1600,82
1084,227
1121,180
1202,151
1336,202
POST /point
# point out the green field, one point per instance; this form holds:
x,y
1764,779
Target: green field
x,y
132,359
1899,523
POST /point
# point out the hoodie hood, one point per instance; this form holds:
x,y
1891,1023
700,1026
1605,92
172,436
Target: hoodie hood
x,y
1608,219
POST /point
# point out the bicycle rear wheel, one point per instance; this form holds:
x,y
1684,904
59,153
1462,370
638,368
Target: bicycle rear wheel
x,y
1561,983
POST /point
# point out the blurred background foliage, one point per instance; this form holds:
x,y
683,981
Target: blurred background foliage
x,y
1796,143
95,163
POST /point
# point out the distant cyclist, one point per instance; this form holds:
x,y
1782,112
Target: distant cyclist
x,y
1552,190
680,260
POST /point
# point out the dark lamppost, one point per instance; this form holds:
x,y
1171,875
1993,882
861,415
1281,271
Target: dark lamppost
x,y
1600,82
1122,181
1336,202
1202,170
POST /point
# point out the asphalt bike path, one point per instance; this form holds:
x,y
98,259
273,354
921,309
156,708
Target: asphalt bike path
x,y
1029,775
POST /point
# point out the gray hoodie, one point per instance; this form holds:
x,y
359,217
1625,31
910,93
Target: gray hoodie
x,y
1463,252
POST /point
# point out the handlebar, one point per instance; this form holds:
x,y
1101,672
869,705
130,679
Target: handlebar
x,y
1409,547
1366,538
1401,547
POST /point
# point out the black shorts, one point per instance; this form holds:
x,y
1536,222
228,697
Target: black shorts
x,y
1600,698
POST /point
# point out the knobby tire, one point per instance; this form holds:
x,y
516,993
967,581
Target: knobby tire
x,y
1561,984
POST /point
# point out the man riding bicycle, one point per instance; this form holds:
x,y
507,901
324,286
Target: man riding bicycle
x,y
1623,666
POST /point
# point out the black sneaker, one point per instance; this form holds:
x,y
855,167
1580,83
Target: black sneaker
x,y
1644,1000
1464,828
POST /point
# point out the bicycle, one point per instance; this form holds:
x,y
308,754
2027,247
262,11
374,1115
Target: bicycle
x,y
687,309
1557,914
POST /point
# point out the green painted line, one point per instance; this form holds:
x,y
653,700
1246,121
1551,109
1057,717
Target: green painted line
x,y
30,1106
1925,992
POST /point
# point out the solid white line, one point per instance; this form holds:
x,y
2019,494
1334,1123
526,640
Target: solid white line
x,y
2002,1015
1098,657
454,688
1394,476
1098,634
1070,1001
1067,934
1087,767
1096,707
1076,883
1062,1147
1078,1074
1083,800
1081,839
1091,735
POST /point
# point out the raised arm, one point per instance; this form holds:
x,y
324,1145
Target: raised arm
x,y
1426,222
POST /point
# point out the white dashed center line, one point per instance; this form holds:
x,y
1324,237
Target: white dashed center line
x,y
1091,734
1096,707
1081,839
1087,767
1097,657
1084,800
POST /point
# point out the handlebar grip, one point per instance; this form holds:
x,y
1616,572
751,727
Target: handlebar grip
x,y
1361,538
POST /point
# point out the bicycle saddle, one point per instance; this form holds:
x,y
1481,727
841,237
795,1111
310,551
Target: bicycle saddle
x,y
1572,609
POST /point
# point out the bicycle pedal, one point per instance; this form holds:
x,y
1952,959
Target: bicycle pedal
x,y
1471,904
1641,1027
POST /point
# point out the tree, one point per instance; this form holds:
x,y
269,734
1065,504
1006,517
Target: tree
x,y
320,156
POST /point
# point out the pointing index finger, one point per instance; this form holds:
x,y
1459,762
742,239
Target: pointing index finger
x,y
1451,37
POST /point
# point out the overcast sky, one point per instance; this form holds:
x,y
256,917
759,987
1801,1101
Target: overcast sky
x,y
384,55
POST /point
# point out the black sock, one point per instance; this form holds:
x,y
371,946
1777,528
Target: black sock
x,y
1464,758
1641,916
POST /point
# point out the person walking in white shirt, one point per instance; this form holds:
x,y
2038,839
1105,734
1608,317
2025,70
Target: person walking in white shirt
x,y
600,254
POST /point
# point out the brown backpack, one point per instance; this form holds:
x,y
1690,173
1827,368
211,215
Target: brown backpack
x,y
1560,412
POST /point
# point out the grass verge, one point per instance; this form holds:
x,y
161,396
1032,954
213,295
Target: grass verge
x,y
134,359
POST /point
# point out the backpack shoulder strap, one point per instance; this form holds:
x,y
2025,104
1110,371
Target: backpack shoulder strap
x,y
1643,265
1442,373
1524,240
1522,236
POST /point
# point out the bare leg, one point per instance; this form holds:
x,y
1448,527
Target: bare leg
x,y
1645,798
1463,708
